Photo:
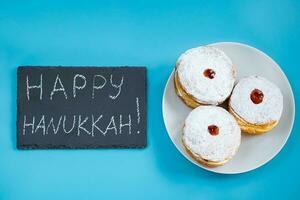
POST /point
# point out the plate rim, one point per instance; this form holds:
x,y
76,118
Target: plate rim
x,y
277,67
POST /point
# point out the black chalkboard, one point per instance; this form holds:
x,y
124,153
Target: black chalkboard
x,y
81,107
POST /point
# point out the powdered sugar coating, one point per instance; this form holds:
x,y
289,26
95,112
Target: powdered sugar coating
x,y
268,110
190,68
201,143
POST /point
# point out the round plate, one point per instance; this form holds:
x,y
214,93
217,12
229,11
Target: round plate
x,y
254,151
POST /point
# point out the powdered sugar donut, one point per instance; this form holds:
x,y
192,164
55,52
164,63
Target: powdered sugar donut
x,y
204,76
257,104
211,135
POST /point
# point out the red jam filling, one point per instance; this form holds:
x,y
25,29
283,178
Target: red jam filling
x,y
257,96
209,73
213,129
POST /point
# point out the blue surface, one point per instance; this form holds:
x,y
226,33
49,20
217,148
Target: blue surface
x,y
150,33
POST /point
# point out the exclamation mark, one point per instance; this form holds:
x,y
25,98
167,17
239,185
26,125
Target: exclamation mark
x,y
138,112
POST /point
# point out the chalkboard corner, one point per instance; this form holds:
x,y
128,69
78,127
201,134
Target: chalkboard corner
x,y
20,147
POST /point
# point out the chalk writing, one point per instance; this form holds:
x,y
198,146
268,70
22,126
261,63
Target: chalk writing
x,y
51,124
41,125
25,124
125,124
100,86
79,83
40,87
119,87
60,89
88,125
80,125
94,124
73,124
138,112
78,87
81,107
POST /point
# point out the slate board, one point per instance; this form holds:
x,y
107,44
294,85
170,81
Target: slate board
x,y
81,107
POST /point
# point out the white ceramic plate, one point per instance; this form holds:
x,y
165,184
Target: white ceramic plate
x,y
254,151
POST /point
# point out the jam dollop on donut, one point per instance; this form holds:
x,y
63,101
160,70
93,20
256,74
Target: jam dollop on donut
x,y
213,129
209,73
257,96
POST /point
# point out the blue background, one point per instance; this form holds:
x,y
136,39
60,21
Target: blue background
x,y
152,33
